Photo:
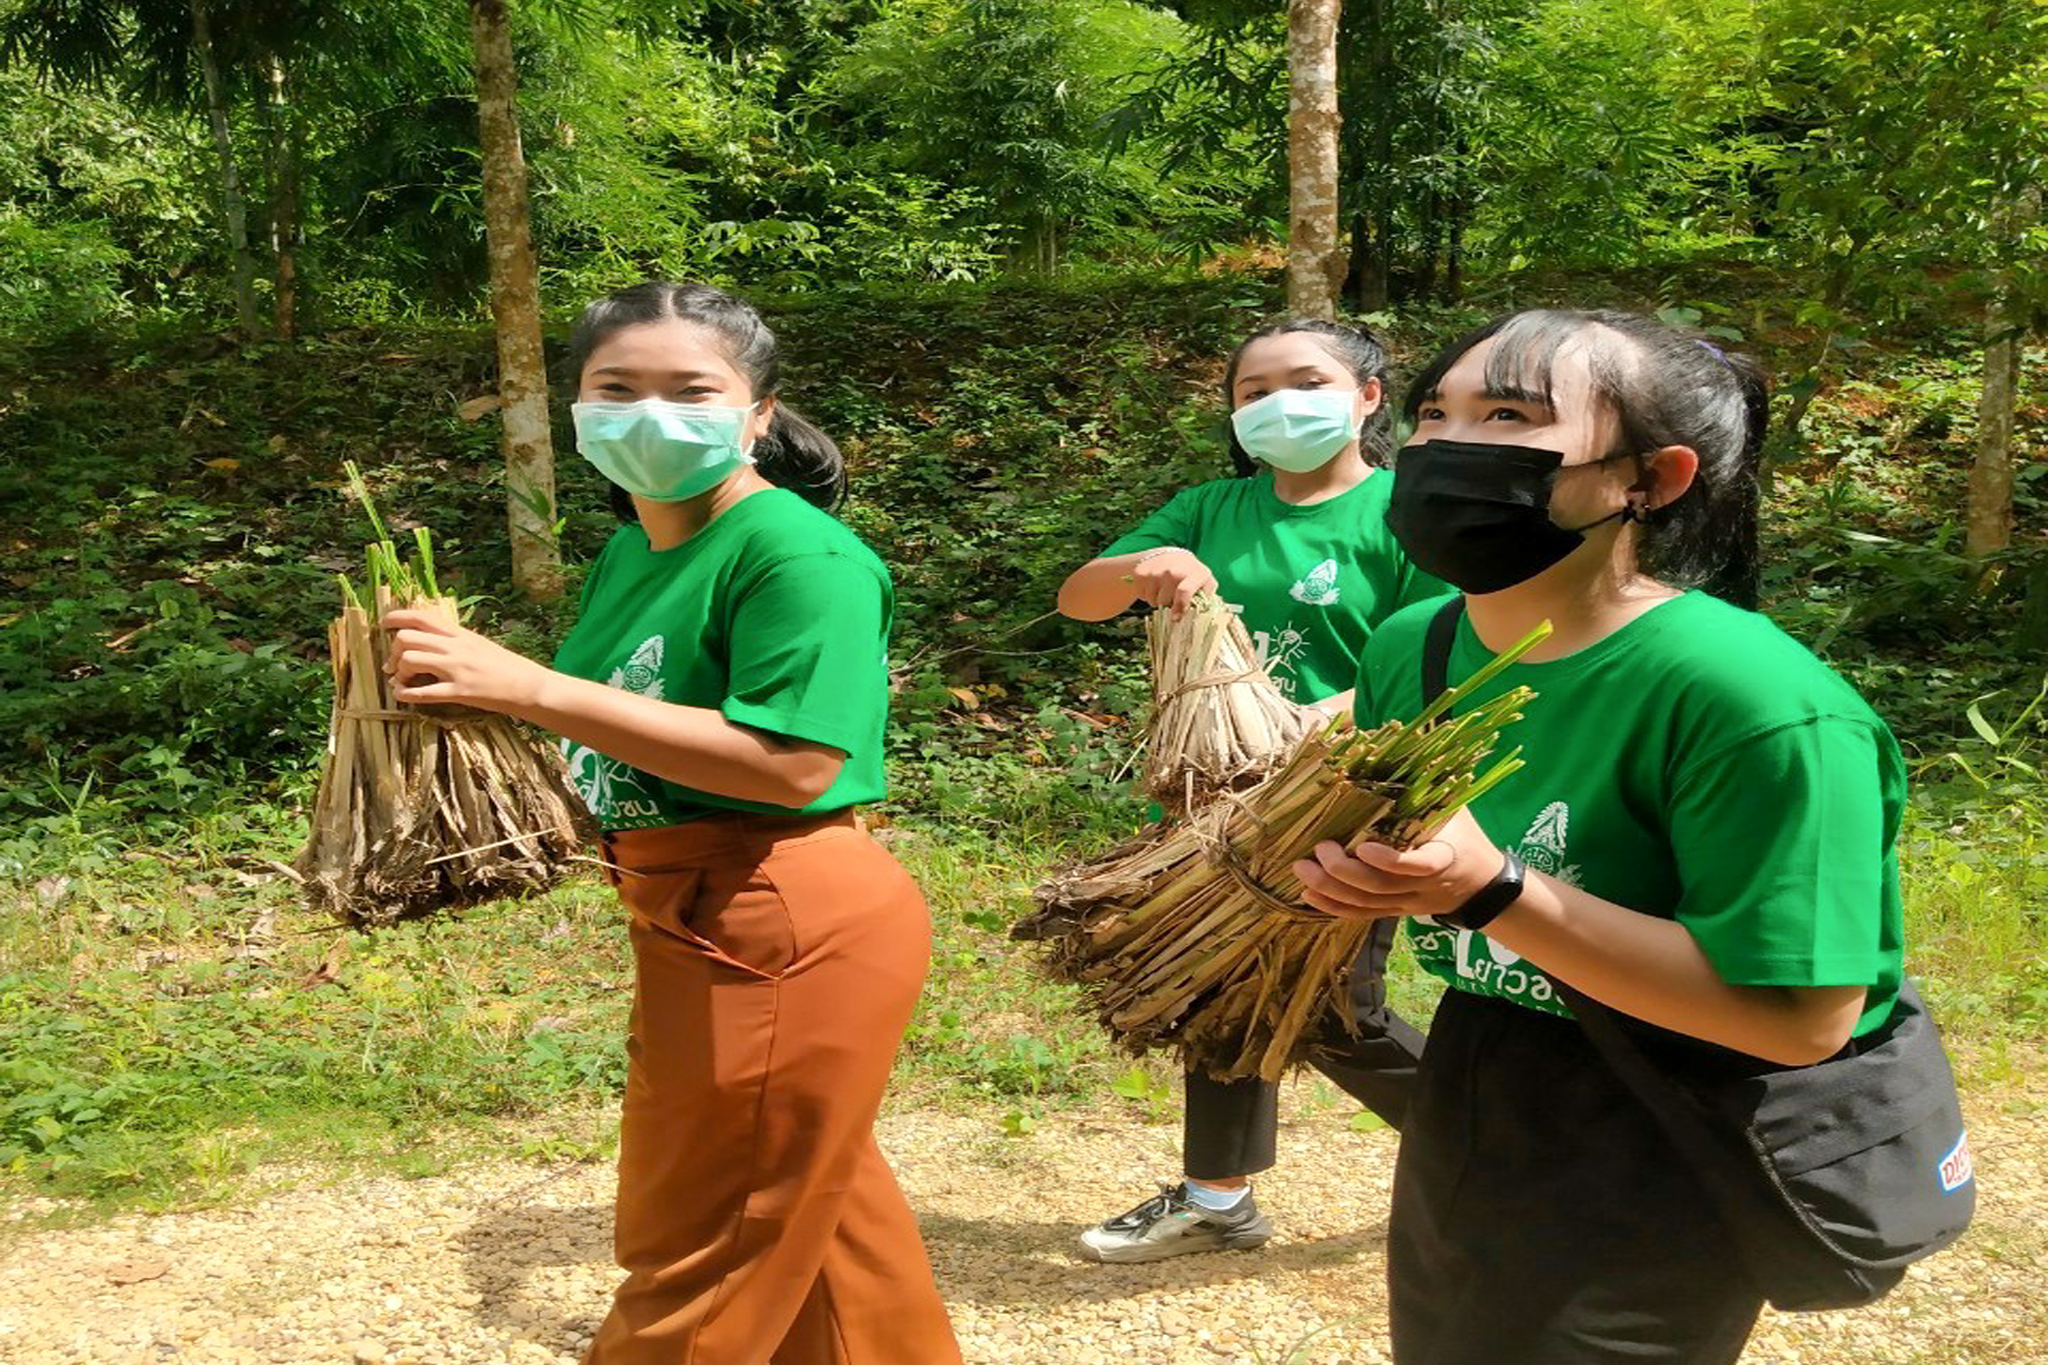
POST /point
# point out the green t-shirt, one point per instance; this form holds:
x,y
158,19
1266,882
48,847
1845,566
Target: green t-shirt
x,y
774,614
1311,582
1697,764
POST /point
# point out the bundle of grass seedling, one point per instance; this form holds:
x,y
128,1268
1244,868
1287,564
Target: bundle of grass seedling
x,y
1218,721
1193,937
422,808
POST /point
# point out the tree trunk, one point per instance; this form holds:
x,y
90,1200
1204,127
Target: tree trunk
x,y
1840,276
1365,280
286,153
286,303
1454,269
1988,520
1804,390
1989,517
1990,509
1315,266
1429,254
1372,232
234,208
1036,252
1457,211
515,304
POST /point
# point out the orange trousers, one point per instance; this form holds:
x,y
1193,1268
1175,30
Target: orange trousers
x,y
758,1224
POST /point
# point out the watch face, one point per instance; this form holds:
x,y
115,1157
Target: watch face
x,y
1497,895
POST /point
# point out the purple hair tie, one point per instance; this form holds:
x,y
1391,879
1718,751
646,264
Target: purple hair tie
x,y
1715,351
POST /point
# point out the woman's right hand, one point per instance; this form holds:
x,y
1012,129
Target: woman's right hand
x,y
1170,579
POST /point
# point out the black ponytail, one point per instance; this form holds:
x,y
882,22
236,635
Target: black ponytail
x,y
795,455
792,454
1668,388
1355,348
1734,509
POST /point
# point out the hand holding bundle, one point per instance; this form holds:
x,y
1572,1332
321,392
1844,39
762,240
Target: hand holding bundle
x,y
424,807
1192,937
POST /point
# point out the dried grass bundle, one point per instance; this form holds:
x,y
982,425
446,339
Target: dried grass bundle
x,y
1192,936
422,808
1218,721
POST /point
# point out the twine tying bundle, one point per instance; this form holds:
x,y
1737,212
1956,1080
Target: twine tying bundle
x,y
1219,679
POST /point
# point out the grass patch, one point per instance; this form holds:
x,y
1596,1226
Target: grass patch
x,y
170,1022
1977,915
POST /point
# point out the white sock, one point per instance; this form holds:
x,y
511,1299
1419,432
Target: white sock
x,y
1215,1200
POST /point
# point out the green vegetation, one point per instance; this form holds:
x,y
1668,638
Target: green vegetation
x,y
1007,245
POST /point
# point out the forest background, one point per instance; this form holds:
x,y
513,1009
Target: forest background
x,y
1007,244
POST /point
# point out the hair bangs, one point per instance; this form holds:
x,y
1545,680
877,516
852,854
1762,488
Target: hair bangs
x,y
1523,363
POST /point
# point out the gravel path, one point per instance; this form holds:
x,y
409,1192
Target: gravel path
x,y
509,1262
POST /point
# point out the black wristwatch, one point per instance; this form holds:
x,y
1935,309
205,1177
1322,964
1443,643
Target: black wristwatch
x,y
1489,900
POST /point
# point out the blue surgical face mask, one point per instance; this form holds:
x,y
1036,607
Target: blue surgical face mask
x,y
660,450
1297,429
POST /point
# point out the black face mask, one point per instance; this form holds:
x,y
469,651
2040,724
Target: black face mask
x,y
1477,515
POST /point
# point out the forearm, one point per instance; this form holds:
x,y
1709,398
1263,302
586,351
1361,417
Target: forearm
x,y
694,746
1653,969
1099,589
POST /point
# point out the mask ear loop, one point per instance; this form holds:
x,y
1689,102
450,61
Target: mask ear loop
x,y
1628,511
1631,512
747,450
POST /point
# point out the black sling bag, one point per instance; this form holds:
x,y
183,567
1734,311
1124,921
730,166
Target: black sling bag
x,y
1830,1178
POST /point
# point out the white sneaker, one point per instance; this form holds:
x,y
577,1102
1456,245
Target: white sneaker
x,y
1172,1224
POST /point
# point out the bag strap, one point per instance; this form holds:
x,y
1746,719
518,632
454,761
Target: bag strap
x,y
1758,1212
1678,1110
1718,1154
1436,649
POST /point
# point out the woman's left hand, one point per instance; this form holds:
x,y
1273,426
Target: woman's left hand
x,y
1433,878
432,661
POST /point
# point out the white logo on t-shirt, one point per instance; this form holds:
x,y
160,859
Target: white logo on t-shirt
x,y
1319,587
1543,846
1277,654
642,673
613,790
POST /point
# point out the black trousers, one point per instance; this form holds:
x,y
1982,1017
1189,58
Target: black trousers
x,y
1540,1215
1231,1126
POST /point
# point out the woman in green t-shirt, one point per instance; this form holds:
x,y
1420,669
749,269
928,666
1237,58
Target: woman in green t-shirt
x,y
1299,544
1701,839
721,700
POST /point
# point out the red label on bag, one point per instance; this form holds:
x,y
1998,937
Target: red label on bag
x,y
1956,1168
